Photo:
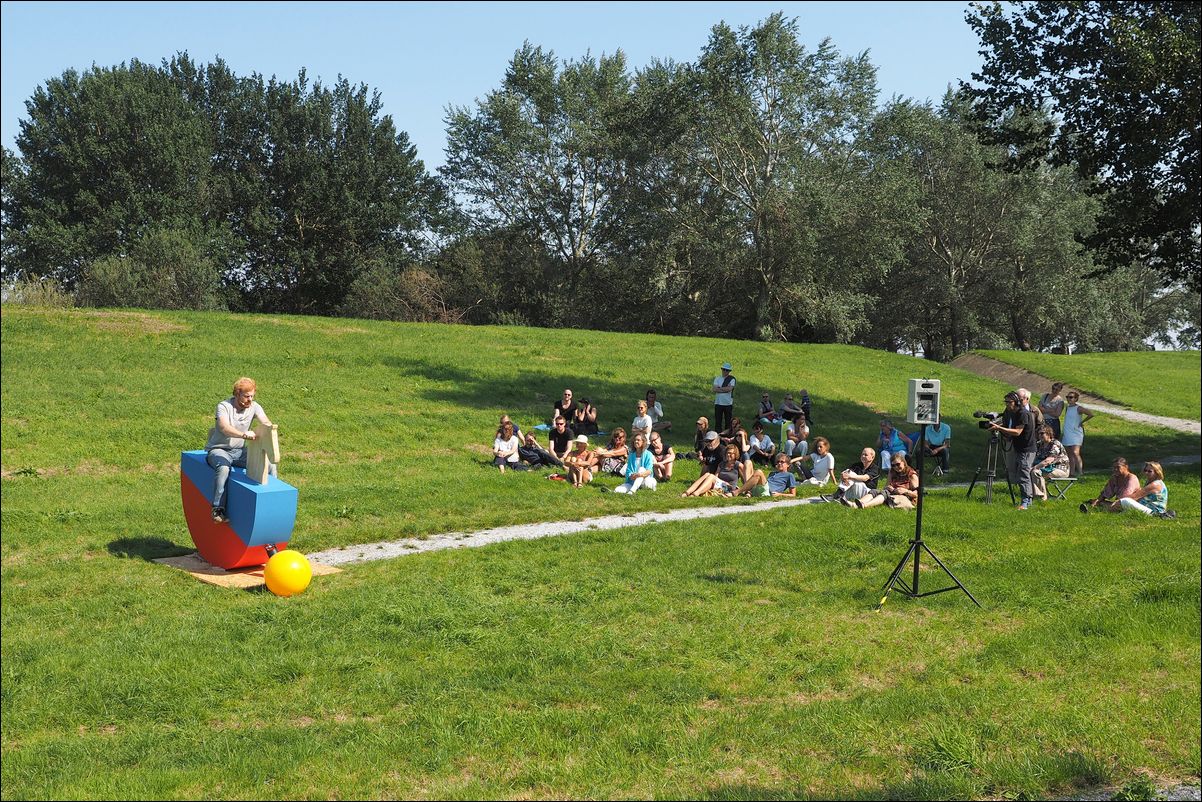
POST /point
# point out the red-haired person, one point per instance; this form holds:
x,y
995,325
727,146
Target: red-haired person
x,y
226,447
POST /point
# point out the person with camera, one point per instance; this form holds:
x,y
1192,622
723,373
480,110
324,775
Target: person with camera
x,y
1018,426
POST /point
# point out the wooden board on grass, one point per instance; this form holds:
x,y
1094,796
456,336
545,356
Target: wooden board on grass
x,y
243,578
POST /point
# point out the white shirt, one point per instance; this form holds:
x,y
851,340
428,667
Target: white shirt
x,y
725,398
655,412
641,423
504,445
762,444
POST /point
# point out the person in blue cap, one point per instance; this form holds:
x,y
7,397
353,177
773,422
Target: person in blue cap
x,y
724,398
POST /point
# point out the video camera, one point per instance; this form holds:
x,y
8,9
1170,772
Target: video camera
x,y
989,417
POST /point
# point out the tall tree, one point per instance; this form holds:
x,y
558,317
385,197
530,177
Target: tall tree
x,y
1123,81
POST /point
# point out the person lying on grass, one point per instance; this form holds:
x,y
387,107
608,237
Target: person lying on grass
x,y
780,482
640,468
730,474
505,449
859,479
822,464
580,462
664,457
613,456
900,493
226,447
1122,484
535,455
1153,497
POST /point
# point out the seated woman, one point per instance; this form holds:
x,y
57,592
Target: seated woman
x,y
656,411
780,482
789,410
797,437
891,442
1122,484
584,418
822,464
613,456
731,472
901,491
664,457
505,448
1051,462
729,435
642,422
640,468
767,413
859,479
760,447
703,427
1153,497
580,462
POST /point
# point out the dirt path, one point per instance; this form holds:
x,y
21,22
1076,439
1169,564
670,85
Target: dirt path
x,y
1016,376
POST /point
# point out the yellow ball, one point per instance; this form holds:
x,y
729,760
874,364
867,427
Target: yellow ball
x,y
287,573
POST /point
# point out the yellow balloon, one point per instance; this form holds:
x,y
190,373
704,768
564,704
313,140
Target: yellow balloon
x,y
287,573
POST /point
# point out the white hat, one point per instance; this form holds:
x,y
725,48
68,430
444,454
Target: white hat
x,y
581,439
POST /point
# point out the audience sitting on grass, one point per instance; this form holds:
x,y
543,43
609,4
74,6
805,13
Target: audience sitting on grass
x,y
505,448
797,437
1051,462
760,447
1153,497
565,407
559,439
517,430
806,403
703,427
664,457
821,464
730,433
780,482
642,422
584,419
858,480
1122,484
580,462
891,442
640,468
656,411
613,456
711,452
534,455
729,474
901,491
789,409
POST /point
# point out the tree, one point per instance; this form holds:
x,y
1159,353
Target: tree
x,y
1123,81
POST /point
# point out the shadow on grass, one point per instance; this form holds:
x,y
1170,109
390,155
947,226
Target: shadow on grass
x,y
147,548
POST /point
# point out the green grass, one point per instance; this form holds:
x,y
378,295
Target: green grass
x,y
728,658
1159,382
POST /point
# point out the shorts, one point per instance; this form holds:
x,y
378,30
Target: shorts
x,y
760,491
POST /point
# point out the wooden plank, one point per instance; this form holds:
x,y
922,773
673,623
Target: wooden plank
x,y
242,578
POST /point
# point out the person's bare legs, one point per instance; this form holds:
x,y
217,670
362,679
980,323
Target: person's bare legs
x,y
755,479
1075,466
704,484
872,501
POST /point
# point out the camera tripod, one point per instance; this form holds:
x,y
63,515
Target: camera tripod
x,y
917,547
991,450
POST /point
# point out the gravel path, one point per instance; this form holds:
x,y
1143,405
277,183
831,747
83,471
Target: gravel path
x,y
1010,374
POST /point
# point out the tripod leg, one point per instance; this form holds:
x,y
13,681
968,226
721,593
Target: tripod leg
x,y
973,483
959,584
896,576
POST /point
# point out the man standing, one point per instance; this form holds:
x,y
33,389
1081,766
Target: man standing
x,y
724,398
226,447
1018,425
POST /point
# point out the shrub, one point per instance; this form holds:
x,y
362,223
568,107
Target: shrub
x,y
164,269
408,294
38,292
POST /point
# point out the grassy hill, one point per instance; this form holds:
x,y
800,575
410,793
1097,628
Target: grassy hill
x,y
1158,382
729,658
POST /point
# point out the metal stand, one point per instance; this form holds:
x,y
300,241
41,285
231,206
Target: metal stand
x,y
990,463
917,547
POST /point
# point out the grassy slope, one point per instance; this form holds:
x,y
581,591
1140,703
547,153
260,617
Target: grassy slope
x,y
1161,382
729,658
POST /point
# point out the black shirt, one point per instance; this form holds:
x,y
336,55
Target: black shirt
x,y
560,439
1024,418
873,472
565,412
712,458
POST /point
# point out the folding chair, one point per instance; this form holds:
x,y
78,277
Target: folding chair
x,y
1061,486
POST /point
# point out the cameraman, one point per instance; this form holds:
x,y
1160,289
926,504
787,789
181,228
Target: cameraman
x,y
1018,425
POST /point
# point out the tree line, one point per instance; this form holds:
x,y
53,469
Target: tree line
x,y
760,191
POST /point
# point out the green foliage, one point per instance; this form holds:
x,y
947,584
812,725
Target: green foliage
x,y
395,292
164,269
38,292
1122,80
1140,789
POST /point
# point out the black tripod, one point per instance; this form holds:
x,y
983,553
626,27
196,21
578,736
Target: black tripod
x,y
917,547
991,449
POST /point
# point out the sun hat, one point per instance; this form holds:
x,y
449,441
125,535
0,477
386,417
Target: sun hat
x,y
581,439
726,366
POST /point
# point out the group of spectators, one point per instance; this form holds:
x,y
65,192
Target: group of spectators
x,y
734,462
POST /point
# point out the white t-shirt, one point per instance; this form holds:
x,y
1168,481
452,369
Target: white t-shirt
x,y
727,397
505,445
641,423
823,466
762,444
239,420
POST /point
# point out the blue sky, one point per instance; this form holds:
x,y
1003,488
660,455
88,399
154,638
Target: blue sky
x,y
425,56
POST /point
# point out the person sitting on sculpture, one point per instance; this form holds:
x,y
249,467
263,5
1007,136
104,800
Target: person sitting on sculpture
x,y
226,447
